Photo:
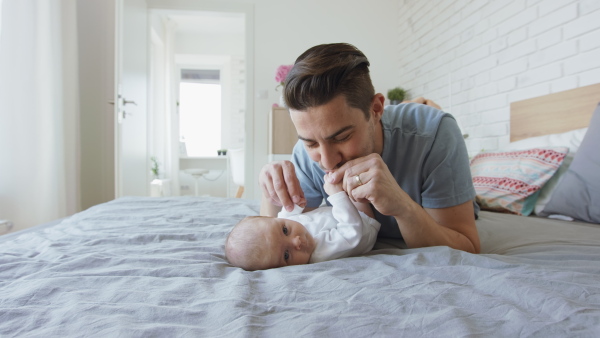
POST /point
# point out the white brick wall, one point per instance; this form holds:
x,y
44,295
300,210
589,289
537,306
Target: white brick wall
x,y
475,57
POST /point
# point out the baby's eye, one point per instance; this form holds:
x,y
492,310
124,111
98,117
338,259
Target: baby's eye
x,y
285,230
286,255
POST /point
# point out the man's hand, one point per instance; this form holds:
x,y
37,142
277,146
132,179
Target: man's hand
x,y
368,180
424,101
280,185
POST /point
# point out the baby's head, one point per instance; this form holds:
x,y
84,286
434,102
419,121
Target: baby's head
x,y
258,243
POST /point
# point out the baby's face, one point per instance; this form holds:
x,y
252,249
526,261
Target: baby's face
x,y
286,242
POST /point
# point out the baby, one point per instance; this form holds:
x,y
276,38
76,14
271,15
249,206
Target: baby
x,y
345,229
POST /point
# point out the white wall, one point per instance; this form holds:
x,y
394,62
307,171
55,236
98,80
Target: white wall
x,y
214,43
475,57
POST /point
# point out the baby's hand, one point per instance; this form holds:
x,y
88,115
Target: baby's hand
x,y
331,189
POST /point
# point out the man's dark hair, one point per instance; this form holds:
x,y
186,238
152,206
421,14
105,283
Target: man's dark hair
x,y
325,71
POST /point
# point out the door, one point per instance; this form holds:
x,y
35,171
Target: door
x,y
131,77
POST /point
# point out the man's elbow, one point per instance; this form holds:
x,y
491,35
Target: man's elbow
x,y
475,246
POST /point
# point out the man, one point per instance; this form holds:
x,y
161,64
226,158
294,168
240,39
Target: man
x,y
409,161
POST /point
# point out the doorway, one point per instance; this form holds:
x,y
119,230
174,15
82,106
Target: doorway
x,y
146,32
199,49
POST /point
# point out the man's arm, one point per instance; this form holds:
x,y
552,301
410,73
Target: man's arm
x,y
453,226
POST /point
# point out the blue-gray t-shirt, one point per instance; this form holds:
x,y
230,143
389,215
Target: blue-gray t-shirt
x,y
425,152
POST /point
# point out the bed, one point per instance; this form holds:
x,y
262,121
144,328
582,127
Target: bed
x,y
143,266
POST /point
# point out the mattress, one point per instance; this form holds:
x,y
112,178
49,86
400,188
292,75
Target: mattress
x,y
140,266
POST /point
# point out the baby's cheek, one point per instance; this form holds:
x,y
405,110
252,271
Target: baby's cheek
x,y
306,259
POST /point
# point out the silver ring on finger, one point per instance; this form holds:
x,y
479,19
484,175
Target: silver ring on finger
x,y
357,179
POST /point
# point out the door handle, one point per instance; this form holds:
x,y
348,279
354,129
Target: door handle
x,y
126,102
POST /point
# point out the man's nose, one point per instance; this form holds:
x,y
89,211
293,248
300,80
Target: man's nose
x,y
329,158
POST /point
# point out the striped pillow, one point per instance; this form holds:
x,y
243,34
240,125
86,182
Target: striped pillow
x,y
510,181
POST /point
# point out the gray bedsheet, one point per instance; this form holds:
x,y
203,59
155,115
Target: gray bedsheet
x,y
154,267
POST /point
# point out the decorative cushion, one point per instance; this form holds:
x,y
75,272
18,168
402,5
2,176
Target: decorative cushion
x,y
578,193
510,181
571,139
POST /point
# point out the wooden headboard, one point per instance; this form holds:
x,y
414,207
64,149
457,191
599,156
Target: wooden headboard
x,y
554,113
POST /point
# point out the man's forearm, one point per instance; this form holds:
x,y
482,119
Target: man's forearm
x,y
420,229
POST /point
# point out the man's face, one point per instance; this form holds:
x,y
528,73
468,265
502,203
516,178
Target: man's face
x,y
336,133
286,242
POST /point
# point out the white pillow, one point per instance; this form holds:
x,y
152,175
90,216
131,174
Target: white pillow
x,y
571,139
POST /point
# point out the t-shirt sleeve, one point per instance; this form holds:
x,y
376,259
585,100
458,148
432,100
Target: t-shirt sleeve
x,y
447,176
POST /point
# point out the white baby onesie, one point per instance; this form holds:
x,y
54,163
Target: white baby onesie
x,y
339,231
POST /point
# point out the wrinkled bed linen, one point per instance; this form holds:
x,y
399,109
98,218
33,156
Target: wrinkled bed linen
x,y
140,267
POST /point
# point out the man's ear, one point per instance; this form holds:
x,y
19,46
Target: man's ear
x,y
377,105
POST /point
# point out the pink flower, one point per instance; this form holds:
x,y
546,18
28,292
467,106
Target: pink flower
x,y
282,72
